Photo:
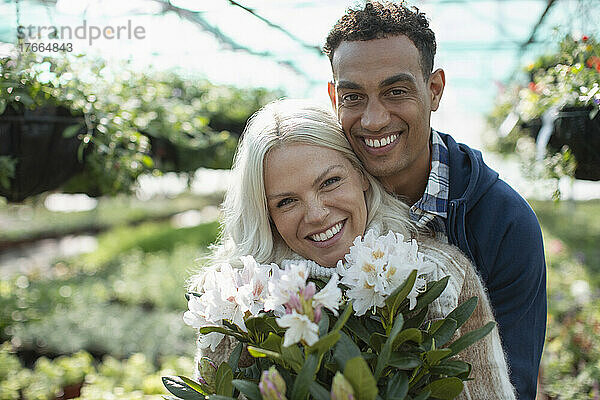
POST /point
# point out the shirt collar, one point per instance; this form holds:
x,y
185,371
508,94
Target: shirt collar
x,y
434,201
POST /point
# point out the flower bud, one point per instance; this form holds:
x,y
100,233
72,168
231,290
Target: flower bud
x,y
318,313
341,388
272,385
208,372
309,291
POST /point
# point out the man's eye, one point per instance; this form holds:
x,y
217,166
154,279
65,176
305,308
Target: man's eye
x,y
397,92
351,97
284,202
330,181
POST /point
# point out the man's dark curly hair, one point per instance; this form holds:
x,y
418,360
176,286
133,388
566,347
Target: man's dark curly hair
x,y
380,20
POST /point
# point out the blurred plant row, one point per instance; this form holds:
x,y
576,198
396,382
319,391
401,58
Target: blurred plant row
x,y
107,324
571,359
102,125
550,117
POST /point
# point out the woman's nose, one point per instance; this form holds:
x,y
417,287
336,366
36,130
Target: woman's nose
x,y
316,212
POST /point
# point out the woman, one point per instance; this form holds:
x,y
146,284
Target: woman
x,y
299,192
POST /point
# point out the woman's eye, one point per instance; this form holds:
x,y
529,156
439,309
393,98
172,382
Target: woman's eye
x,y
330,181
284,202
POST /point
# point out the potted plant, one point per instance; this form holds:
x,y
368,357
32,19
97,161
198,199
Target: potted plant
x,y
558,109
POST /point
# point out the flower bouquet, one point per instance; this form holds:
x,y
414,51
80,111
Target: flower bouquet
x,y
362,335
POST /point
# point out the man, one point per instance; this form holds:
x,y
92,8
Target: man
x,y
384,89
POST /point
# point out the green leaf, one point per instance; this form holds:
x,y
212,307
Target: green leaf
x,y
444,332
386,350
262,353
71,130
234,357
147,161
323,324
462,313
292,355
397,386
199,387
325,343
399,295
416,320
412,334
272,342
225,331
470,337
432,293
343,318
434,356
220,397
357,328
445,388
179,388
223,380
423,395
345,349
359,375
404,361
318,392
305,377
248,389
377,341
451,368
262,324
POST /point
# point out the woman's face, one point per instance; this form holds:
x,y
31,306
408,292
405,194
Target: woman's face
x,y
316,200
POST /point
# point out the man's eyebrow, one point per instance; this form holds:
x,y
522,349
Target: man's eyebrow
x,y
348,85
402,77
315,182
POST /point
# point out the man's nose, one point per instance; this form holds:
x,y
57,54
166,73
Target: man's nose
x,y
375,117
316,211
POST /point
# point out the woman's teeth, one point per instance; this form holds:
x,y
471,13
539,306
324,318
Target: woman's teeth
x,y
380,142
328,234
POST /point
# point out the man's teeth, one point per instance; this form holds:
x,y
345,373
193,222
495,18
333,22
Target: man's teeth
x,y
383,142
320,237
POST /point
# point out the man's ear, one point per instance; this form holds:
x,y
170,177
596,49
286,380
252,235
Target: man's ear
x,y
436,83
332,97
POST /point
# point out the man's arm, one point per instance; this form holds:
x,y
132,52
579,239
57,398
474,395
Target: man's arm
x,y
516,282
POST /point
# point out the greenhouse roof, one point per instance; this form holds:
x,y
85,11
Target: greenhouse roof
x,y
275,43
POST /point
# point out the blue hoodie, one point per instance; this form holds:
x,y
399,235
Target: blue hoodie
x,y
498,230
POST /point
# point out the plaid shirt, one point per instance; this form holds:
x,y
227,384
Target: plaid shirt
x,y
431,209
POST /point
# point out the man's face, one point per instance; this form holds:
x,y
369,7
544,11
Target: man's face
x,y
384,104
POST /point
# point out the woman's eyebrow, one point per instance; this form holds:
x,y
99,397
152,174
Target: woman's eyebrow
x,y
324,173
315,182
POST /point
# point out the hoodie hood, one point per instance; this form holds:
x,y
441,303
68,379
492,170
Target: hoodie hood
x,y
470,179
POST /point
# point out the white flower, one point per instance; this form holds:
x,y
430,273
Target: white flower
x,y
376,266
252,294
211,340
194,317
330,296
287,283
299,327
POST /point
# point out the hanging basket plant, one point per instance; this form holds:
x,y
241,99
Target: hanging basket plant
x,y
553,121
104,125
51,131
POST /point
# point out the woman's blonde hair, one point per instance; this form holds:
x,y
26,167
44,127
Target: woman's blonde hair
x,y
246,228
